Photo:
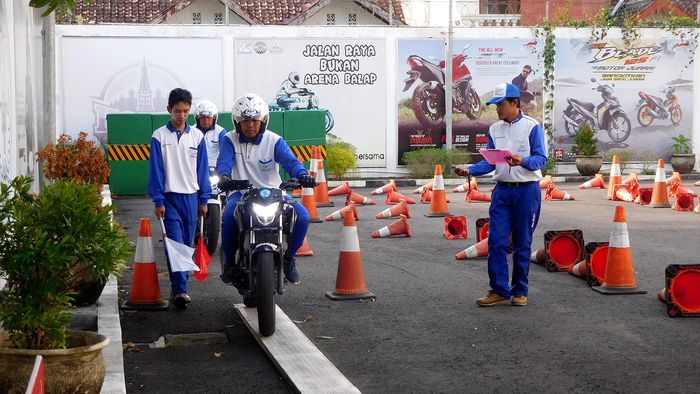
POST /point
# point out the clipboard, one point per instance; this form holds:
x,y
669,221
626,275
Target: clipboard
x,y
496,156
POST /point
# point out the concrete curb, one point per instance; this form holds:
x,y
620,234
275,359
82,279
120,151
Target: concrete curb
x,y
108,324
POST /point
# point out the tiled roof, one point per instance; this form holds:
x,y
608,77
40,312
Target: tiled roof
x,y
266,12
635,6
689,6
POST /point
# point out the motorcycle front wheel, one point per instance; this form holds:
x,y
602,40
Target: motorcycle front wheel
x,y
676,115
428,105
265,279
474,106
212,228
571,128
619,127
644,116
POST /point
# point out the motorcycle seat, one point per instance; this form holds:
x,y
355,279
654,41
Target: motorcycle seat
x,y
589,106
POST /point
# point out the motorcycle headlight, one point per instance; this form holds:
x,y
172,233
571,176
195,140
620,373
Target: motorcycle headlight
x,y
214,179
265,213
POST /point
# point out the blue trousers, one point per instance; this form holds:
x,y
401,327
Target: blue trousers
x,y
513,211
180,224
230,230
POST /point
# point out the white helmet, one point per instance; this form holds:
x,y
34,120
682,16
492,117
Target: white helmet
x,y
250,107
205,108
294,77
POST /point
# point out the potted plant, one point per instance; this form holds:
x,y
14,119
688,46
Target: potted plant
x,y
45,236
80,161
588,161
683,158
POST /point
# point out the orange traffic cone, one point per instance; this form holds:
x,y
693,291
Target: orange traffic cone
x,y
619,272
596,259
683,189
644,196
321,190
350,279
297,192
336,215
475,195
464,187
399,209
455,227
539,256
358,199
621,193
305,249
145,290
564,249
313,162
662,295
395,197
386,188
340,190
682,291
308,200
673,182
427,197
632,183
579,269
553,193
659,197
420,189
615,175
598,182
545,182
438,204
684,202
399,227
482,228
479,249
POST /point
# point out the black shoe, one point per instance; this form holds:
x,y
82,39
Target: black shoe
x,y
290,271
181,300
228,275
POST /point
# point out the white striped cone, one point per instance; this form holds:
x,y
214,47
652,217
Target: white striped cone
x,y
615,176
579,269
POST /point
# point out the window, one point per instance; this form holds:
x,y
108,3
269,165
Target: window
x,y
330,19
500,6
196,18
218,18
352,19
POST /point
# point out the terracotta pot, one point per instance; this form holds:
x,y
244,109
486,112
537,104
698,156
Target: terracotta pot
x,y
78,369
683,163
589,165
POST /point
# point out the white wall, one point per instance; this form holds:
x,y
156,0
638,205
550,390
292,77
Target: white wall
x,y
341,9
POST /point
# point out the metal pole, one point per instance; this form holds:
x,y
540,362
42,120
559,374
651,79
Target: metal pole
x,y
448,81
546,10
391,12
48,103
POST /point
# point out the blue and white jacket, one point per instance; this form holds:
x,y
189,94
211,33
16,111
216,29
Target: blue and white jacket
x,y
258,160
178,164
212,139
523,136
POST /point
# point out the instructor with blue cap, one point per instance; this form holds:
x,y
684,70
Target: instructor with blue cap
x,y
516,199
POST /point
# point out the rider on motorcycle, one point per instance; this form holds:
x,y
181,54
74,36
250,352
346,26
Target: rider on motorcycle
x,y
252,155
288,88
205,114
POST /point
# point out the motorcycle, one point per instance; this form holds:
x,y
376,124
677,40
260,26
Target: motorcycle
x,y
428,99
212,221
651,107
608,115
266,221
305,99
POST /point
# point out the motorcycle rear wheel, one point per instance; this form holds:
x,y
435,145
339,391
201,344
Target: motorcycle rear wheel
x,y
571,128
428,106
265,279
212,228
474,105
644,116
622,127
676,115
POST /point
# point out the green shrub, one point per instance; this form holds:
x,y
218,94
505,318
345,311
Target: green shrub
x,y
340,158
551,167
585,143
421,163
681,145
648,160
624,155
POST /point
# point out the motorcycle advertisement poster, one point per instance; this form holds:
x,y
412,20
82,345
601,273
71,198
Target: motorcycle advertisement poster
x,y
635,97
478,66
346,78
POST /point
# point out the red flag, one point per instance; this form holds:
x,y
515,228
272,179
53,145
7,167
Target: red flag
x,y
202,258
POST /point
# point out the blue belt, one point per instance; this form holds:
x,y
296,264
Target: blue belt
x,y
515,184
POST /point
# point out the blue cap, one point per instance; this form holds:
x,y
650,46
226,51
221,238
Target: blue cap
x,y
504,91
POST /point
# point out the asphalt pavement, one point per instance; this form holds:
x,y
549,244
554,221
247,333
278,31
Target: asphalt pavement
x,y
424,333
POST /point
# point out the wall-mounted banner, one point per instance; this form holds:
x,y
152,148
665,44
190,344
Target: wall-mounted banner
x,y
636,97
108,81
478,66
347,78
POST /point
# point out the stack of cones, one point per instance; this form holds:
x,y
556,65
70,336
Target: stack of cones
x,y
386,188
339,214
321,190
350,279
619,272
399,209
399,227
395,197
145,290
659,197
438,204
598,182
615,175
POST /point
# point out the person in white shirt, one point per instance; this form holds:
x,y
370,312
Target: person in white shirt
x,y
516,199
178,181
205,115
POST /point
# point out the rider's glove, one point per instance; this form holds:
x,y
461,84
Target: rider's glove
x,y
225,183
307,180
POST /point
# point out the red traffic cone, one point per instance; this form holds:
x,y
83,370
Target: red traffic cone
x,y
644,196
564,249
358,199
321,190
479,249
659,197
420,189
438,204
619,272
455,227
615,175
673,182
305,249
145,290
598,182
399,209
336,215
475,195
386,188
482,228
308,200
394,197
684,202
350,279
633,185
399,227
596,258
683,289
621,193
340,190
555,194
